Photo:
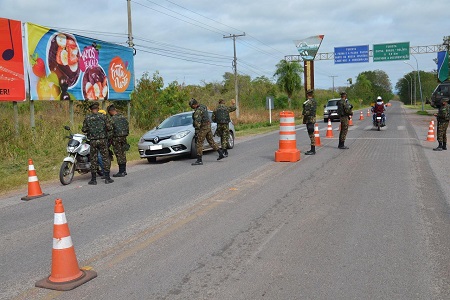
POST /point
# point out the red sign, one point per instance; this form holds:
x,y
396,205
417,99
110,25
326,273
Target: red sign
x,y
12,83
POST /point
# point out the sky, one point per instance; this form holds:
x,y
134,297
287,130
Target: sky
x,y
184,40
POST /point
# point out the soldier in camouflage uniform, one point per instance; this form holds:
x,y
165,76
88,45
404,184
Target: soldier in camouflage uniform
x,y
344,111
443,117
309,118
119,139
98,129
202,127
222,117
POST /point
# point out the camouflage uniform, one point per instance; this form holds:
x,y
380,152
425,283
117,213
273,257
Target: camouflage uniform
x,y
202,127
309,118
119,140
222,117
98,129
344,111
443,117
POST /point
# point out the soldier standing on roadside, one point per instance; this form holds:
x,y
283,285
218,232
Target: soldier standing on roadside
x,y
443,117
119,139
202,125
309,118
344,111
222,117
98,129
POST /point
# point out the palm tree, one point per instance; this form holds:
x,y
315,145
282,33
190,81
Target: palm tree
x,y
289,77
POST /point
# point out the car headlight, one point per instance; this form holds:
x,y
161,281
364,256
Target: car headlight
x,y
180,135
141,140
325,111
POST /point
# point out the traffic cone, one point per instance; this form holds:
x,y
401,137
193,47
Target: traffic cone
x,y
430,136
287,150
65,275
350,121
316,135
34,189
368,113
329,130
432,123
361,116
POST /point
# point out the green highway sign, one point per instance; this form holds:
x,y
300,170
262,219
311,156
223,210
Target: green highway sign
x,y
393,51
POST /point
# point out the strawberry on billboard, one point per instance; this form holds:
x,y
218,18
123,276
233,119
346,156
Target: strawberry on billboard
x,y
64,66
12,82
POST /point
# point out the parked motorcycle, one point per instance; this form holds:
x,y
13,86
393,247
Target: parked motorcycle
x,y
77,157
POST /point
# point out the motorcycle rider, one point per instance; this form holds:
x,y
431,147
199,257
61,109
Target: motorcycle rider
x,y
379,108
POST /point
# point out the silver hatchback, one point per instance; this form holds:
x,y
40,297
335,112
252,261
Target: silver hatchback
x,y
175,136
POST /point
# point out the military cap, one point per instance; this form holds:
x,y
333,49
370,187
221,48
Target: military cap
x,y
343,93
192,102
111,107
93,105
310,91
445,100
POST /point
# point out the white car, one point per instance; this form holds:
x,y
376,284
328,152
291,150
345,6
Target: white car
x,y
175,136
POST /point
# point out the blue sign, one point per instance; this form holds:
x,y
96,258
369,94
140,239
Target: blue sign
x,y
351,54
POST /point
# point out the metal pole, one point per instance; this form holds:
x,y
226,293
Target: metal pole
x,y
415,83
410,93
16,118
420,84
408,87
131,45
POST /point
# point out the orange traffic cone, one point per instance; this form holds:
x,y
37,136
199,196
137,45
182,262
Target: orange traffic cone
x,y
287,150
430,136
361,116
368,113
432,123
34,189
329,130
66,275
316,135
350,121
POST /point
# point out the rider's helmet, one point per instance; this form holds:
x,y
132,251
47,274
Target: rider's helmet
x,y
379,98
101,111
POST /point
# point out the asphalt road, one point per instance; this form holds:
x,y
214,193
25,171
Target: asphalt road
x,y
370,222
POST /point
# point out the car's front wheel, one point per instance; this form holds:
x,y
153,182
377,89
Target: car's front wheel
x,y
231,140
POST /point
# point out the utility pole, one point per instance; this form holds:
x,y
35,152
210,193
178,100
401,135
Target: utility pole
x,y
236,87
332,76
131,45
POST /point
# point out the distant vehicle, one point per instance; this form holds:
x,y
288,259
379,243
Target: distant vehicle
x,y
330,110
175,136
442,91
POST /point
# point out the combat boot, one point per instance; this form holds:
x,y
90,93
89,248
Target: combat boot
x,y
444,145
312,151
93,180
121,172
439,148
342,146
225,152
220,154
107,178
198,162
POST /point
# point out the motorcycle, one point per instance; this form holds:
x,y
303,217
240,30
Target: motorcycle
x,y
378,121
77,158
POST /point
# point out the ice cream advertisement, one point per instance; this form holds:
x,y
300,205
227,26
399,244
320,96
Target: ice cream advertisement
x,y
64,66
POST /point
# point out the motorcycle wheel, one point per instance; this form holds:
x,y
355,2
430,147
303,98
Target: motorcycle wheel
x,y
66,172
379,126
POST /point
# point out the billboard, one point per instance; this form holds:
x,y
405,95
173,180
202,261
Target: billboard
x,y
64,66
12,79
308,47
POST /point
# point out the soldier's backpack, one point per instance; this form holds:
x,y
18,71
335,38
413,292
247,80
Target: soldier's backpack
x,y
222,116
97,126
120,124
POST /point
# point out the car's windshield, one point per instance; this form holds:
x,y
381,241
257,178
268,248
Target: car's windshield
x,y
332,103
176,121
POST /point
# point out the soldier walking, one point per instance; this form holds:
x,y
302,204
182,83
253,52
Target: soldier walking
x,y
98,129
443,117
344,111
119,139
222,117
202,125
309,118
